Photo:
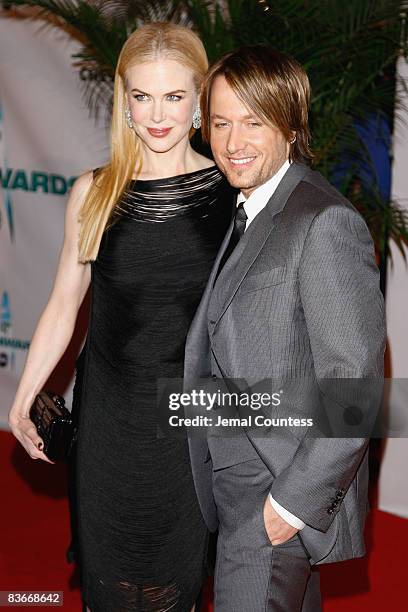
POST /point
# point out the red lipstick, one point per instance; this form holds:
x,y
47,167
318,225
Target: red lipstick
x,y
158,133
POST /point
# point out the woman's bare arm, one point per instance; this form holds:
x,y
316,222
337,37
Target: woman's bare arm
x,y
55,326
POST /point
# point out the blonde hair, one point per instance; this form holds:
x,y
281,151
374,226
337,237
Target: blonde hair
x,y
148,43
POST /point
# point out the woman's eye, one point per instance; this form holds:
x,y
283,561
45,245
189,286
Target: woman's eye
x,y
220,124
140,97
254,124
173,98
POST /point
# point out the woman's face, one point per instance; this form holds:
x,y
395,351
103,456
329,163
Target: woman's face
x,y
162,98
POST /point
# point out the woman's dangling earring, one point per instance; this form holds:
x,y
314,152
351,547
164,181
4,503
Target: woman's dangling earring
x,y
293,140
128,118
197,118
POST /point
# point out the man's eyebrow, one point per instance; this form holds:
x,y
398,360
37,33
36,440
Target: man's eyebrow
x,y
169,93
244,118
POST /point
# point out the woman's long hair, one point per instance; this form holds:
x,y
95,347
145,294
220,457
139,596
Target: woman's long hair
x,y
148,43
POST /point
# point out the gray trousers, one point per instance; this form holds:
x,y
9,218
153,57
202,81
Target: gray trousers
x,y
252,574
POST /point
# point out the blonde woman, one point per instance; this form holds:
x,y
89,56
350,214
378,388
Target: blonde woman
x,y
143,231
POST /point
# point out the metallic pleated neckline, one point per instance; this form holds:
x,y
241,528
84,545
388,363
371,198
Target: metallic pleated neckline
x,y
178,178
156,200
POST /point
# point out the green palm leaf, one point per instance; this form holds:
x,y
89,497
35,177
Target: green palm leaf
x,y
349,50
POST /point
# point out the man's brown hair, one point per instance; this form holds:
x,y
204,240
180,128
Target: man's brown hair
x,y
272,85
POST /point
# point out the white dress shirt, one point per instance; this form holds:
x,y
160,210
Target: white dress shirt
x,y
260,196
253,206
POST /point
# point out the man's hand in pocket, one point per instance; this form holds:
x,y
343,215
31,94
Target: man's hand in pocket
x,y
278,530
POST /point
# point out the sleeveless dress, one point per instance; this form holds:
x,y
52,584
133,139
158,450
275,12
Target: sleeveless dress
x,y
141,536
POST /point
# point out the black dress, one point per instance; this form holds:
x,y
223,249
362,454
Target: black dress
x,y
142,539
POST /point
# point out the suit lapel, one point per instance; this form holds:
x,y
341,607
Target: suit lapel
x,y
250,245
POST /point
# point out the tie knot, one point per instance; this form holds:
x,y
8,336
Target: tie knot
x,y
239,222
240,214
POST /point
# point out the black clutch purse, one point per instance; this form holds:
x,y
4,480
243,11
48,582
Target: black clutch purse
x,y
54,425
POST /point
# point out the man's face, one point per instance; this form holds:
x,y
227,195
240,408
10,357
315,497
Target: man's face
x,y
246,150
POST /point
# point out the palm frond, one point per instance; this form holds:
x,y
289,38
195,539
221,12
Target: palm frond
x,y
349,50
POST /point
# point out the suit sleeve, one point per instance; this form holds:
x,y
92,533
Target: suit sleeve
x,y
344,314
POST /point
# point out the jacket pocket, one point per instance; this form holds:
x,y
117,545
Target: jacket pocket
x,y
269,278
261,520
231,450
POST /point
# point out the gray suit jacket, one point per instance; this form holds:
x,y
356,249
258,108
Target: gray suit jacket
x,y
299,297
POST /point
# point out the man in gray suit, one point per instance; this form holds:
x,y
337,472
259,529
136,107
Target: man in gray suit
x,y
294,295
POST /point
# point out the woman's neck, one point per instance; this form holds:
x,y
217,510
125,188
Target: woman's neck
x,y
181,159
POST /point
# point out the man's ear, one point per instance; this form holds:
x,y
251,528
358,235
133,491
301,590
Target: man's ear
x,y
292,137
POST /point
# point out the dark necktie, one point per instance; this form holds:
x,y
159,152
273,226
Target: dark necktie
x,y
240,220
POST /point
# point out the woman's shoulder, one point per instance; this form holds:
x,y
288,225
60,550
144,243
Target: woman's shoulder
x,y
83,182
78,194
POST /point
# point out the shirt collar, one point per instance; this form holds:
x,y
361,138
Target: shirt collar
x,y
261,195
